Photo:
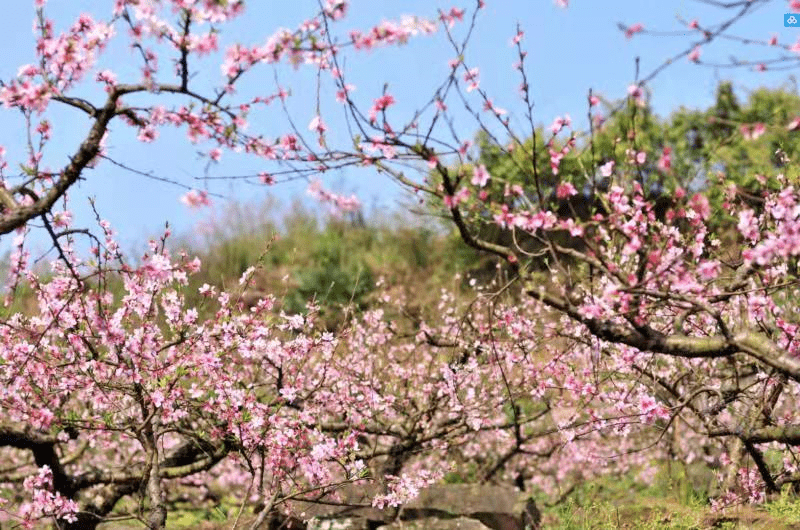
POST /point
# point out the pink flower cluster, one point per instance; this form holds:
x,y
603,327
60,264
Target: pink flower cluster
x,y
338,202
44,502
389,33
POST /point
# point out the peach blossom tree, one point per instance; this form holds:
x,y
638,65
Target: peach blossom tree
x,y
633,332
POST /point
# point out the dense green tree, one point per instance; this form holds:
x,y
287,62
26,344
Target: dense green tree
x,y
737,140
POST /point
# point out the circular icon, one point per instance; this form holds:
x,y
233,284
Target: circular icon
x,y
791,20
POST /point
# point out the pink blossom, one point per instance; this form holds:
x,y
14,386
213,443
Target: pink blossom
x,y
319,127
699,203
665,161
27,70
574,229
147,134
599,120
746,132
565,189
748,224
708,269
404,488
636,92
480,177
633,29
336,9
196,199
694,55
489,107
555,160
452,16
380,105
62,219
472,76
607,169
394,32
108,77
338,203
559,123
636,158
753,132
342,94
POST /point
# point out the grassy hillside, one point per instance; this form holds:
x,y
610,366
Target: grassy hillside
x,y
336,262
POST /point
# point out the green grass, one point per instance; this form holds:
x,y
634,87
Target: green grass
x,y
671,502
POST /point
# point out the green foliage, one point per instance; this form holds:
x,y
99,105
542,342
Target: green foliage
x,y
334,262
619,503
193,518
736,146
709,148
234,242
336,274
786,507
672,501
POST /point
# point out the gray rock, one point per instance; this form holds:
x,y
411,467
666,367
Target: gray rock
x,y
352,507
483,507
497,507
434,523
337,524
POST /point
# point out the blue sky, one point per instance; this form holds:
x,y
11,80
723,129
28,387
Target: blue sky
x,y
570,51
